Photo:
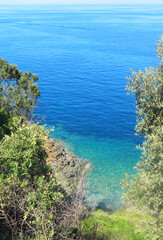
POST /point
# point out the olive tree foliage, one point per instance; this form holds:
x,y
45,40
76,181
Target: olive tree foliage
x,y
144,190
18,90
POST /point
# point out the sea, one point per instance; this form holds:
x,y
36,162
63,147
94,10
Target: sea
x,y
82,55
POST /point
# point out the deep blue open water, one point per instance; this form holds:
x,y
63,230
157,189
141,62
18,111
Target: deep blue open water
x,y
82,55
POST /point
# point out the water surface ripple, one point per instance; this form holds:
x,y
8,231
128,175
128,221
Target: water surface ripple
x,y
82,54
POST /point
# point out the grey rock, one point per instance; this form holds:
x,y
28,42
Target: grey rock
x,y
68,168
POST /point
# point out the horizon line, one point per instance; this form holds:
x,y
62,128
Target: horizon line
x,y
8,4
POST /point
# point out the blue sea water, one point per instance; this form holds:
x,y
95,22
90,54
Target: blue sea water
x,y
82,55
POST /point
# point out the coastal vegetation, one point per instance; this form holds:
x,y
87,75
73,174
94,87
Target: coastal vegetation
x,y
120,225
144,190
33,205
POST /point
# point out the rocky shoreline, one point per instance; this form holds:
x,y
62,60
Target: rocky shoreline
x,y
69,169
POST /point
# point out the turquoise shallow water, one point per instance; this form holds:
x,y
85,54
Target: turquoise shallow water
x,y
110,159
82,55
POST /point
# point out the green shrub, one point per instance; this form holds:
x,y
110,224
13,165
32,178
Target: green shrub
x,y
144,190
18,90
22,154
29,195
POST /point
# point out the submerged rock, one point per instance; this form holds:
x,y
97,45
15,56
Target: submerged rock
x,y
68,168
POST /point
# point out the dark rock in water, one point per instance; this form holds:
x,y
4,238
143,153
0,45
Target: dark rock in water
x,y
104,207
68,168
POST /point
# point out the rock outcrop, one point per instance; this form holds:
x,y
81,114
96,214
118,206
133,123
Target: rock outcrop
x,y
68,168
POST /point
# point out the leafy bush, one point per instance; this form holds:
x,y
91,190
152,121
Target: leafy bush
x,y
32,204
144,190
4,120
29,195
29,210
18,90
22,154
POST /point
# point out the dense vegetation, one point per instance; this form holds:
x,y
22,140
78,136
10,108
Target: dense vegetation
x,y
118,226
18,96
144,190
34,206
